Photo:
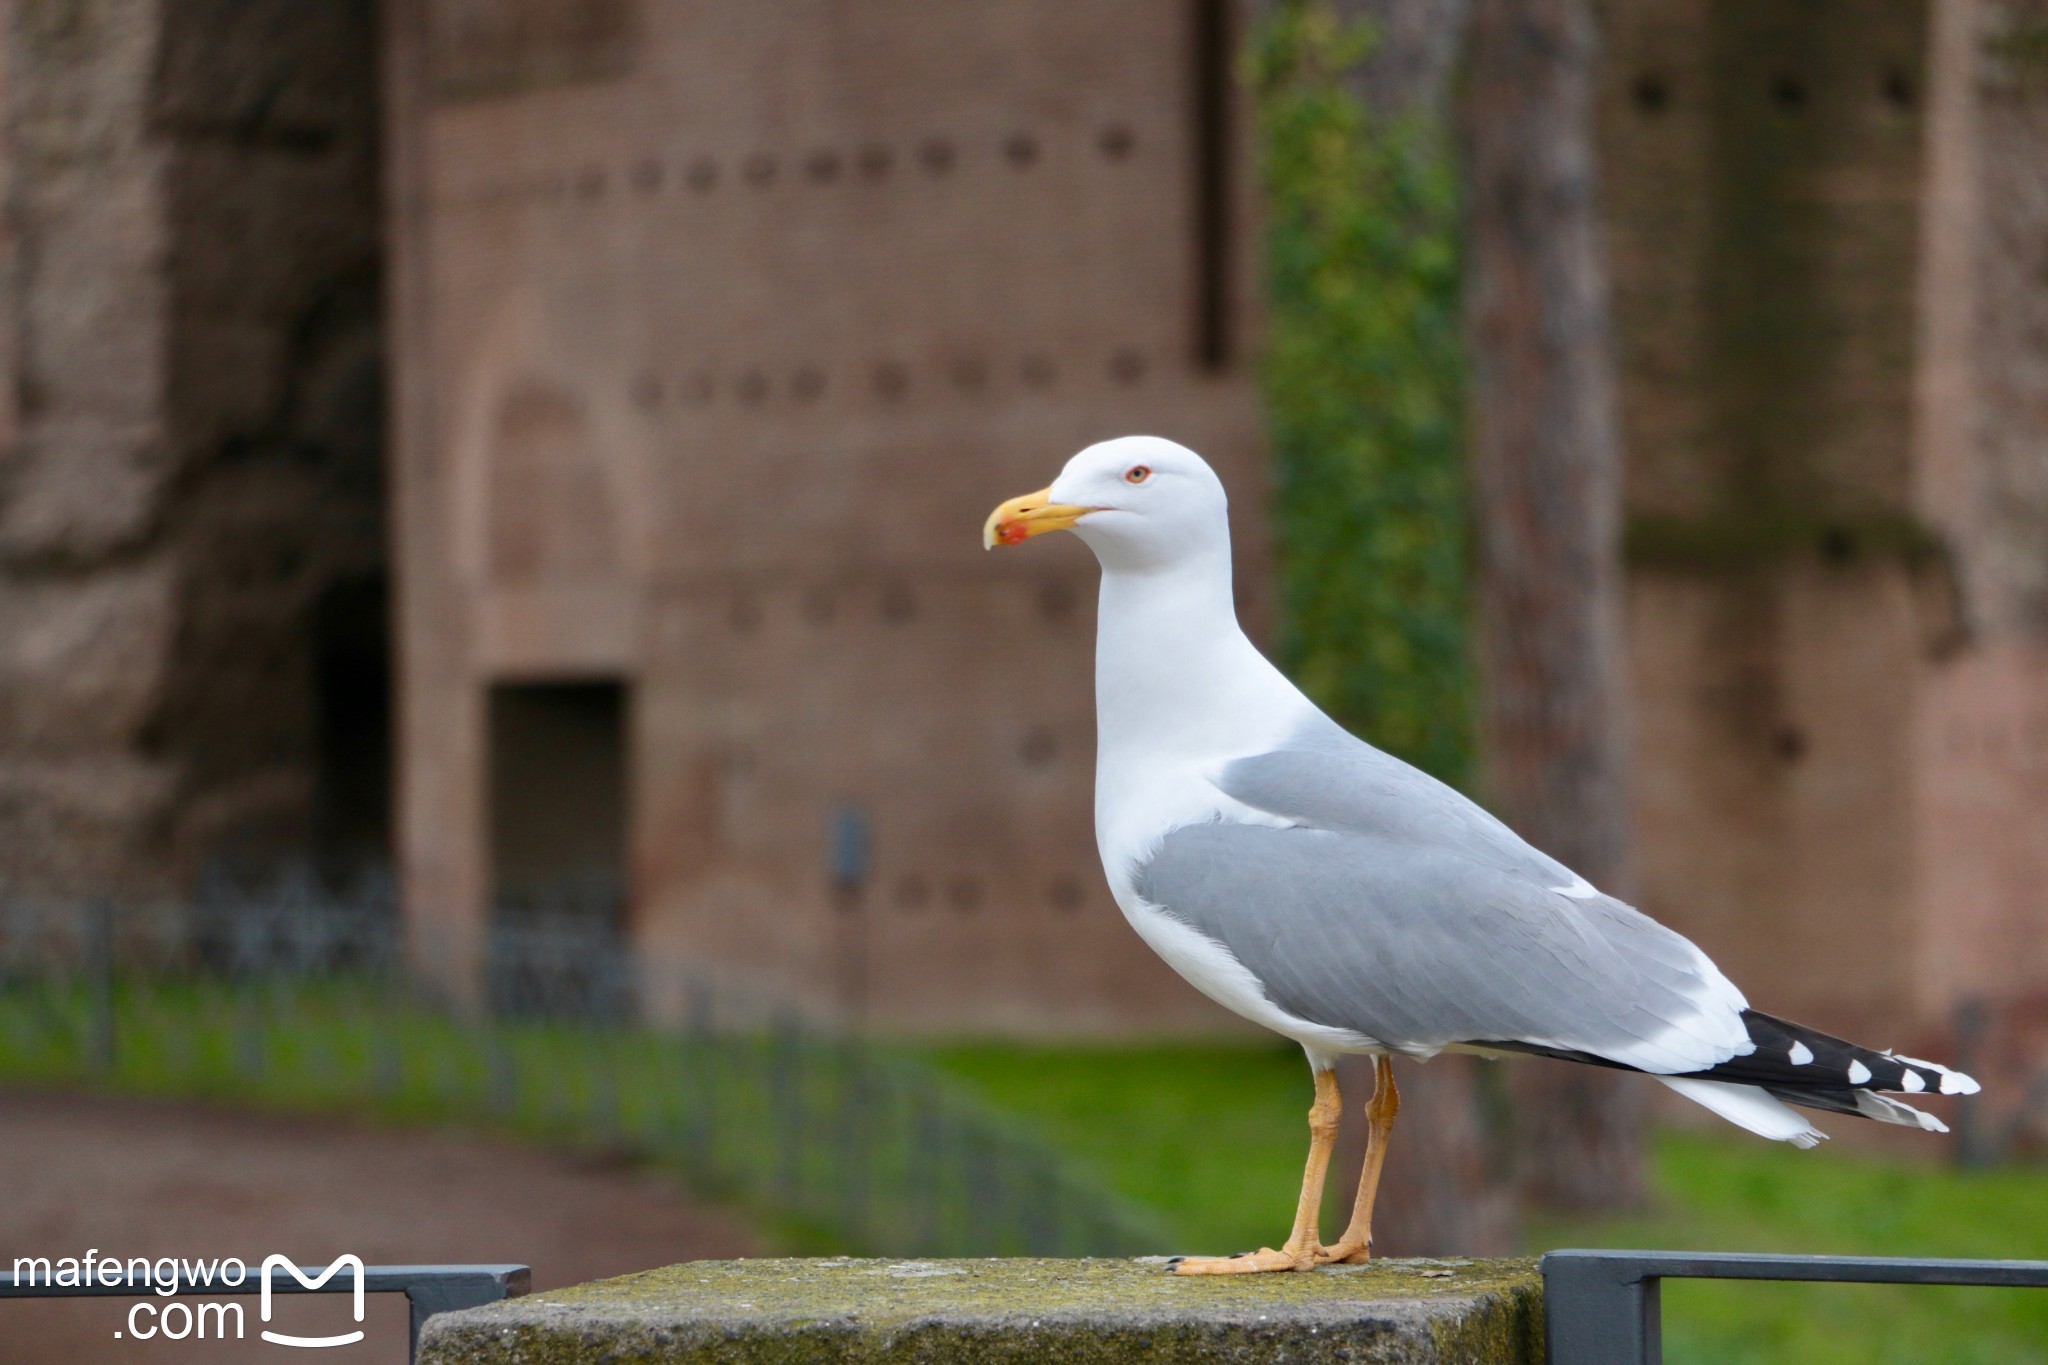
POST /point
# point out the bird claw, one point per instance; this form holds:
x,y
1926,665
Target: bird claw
x,y
1345,1252
1263,1261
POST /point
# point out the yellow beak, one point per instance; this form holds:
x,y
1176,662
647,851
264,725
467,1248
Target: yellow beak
x,y
1019,519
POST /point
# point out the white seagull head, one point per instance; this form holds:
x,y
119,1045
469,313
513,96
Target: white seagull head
x,y
1139,502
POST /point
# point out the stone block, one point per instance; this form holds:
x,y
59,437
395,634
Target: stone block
x,y
72,826
982,1311
81,660
81,490
272,74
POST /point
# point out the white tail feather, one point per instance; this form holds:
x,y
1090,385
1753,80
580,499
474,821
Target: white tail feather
x,y
1885,1109
1748,1106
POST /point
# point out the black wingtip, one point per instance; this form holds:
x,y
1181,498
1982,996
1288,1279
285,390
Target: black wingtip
x,y
1791,1058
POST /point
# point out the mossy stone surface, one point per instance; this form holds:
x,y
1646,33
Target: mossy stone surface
x,y
980,1312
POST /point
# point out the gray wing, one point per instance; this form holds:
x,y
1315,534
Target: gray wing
x,y
1421,947
1326,778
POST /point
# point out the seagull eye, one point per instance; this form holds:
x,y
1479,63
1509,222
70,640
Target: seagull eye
x,y
1137,473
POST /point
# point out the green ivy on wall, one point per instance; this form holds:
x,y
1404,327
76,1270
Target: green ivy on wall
x,y
1362,374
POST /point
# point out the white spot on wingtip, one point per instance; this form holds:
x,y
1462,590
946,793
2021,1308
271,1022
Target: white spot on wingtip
x,y
1801,1054
1914,1081
1858,1073
1956,1083
1579,890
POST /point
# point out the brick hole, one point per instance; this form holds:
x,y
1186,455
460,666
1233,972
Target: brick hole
x,y
1788,92
647,392
969,374
899,603
892,380
875,161
1898,89
743,615
1055,601
1038,747
1039,372
702,175
1117,142
808,384
1651,93
823,167
1788,742
760,170
1064,894
912,891
964,895
648,175
1127,367
751,388
1838,545
937,156
1020,150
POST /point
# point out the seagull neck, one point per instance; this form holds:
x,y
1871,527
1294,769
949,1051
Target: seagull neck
x,y
1172,664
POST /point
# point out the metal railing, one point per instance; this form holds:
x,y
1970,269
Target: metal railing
x,y
429,1289
296,1001
1605,1307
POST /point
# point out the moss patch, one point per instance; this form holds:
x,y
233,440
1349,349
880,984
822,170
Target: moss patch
x,y
980,1312
1363,376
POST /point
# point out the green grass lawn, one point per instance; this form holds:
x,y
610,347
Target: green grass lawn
x,y
1213,1138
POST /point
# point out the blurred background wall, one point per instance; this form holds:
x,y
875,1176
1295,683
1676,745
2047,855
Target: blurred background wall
x,y
717,326
712,331
193,658
1823,220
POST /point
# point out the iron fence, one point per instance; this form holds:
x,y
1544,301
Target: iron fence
x,y
1605,1307
300,1001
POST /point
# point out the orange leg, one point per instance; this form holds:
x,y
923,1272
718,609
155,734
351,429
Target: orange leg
x,y
1355,1246
1303,1250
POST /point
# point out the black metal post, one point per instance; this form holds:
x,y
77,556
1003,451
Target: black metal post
x,y
1601,1311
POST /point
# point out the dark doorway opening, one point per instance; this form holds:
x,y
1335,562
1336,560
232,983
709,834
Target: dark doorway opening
x,y
558,802
558,819
352,681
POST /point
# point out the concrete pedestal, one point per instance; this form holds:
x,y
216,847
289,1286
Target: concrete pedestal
x,y
976,1312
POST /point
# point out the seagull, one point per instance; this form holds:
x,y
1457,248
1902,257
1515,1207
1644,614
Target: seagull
x,y
1336,895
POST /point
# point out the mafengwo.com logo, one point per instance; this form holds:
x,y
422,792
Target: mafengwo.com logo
x,y
167,1277
274,1262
